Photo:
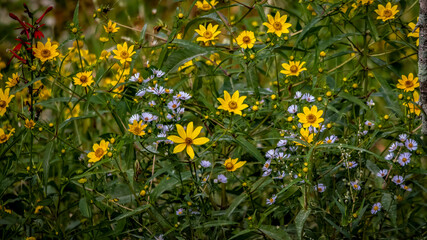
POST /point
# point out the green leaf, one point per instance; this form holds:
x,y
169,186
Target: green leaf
x,y
249,147
372,167
274,232
76,14
252,78
217,223
354,100
168,184
85,208
300,220
236,202
241,234
47,157
340,229
137,210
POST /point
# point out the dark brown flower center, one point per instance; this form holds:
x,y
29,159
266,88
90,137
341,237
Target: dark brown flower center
x,y
404,159
45,53
409,84
124,54
137,130
277,26
229,166
311,118
387,13
207,34
3,137
83,79
246,39
2,104
232,105
294,69
188,141
206,6
99,152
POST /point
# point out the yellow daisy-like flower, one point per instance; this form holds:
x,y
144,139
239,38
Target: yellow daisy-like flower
x,y
294,68
365,2
4,137
311,117
13,80
72,111
46,51
4,100
187,67
305,136
111,27
123,53
83,79
214,59
104,55
386,13
408,84
278,24
30,124
187,138
415,33
137,128
99,150
232,165
207,34
414,108
246,39
233,104
205,6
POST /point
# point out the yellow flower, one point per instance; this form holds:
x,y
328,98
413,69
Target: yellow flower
x,y
188,67
187,139
408,84
311,117
13,80
72,111
293,68
4,100
82,180
45,52
30,238
99,150
83,79
414,108
205,6
29,123
232,165
246,39
104,55
4,137
214,59
207,34
305,136
111,27
137,128
365,2
38,208
123,53
104,39
232,104
387,12
415,33
277,24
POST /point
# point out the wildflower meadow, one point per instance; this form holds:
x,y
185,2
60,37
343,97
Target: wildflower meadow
x,y
213,119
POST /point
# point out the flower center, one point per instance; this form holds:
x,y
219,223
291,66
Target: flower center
x,y
45,53
376,208
271,200
277,26
207,34
355,186
2,104
188,141
404,159
99,152
124,54
319,189
229,166
232,105
137,130
83,79
294,69
410,145
3,137
206,6
246,39
409,84
311,118
387,13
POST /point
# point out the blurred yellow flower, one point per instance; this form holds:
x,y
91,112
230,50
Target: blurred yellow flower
x,y
123,53
232,165
233,104
13,80
3,136
187,139
111,27
72,111
29,123
277,24
386,13
414,108
207,34
408,84
83,79
46,51
311,117
187,67
205,6
415,33
137,128
294,68
246,39
99,150
214,59
4,100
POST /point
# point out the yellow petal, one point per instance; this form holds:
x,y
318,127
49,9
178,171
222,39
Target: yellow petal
x,y
200,141
176,139
190,152
179,148
181,131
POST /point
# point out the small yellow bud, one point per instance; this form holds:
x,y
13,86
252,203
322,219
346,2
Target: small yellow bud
x,y
40,129
180,16
112,140
244,57
294,128
244,184
50,124
273,97
306,164
354,85
255,108
328,93
275,106
386,117
63,151
291,165
109,154
98,10
400,96
189,203
291,58
82,180
290,119
74,30
286,38
328,125
305,169
322,54
257,102
344,79
319,99
206,117
355,215
299,175
249,218
252,56
320,70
